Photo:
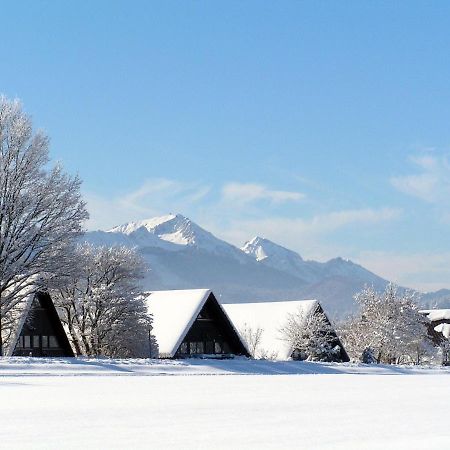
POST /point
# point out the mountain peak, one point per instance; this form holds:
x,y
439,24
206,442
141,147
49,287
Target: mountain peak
x,y
174,228
174,232
261,248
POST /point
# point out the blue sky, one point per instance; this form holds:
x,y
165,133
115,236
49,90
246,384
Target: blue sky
x,y
323,126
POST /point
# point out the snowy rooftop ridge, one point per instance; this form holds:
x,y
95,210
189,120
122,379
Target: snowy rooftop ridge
x,y
270,317
436,314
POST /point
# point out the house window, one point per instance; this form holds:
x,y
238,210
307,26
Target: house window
x,y
53,342
183,348
217,347
196,348
36,341
27,341
44,341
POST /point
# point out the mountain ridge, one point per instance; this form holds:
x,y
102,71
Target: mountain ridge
x,y
182,255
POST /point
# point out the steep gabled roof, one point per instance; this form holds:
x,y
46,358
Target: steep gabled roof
x,y
173,313
23,311
270,317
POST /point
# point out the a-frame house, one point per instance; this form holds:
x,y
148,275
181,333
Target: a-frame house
x,y
40,331
192,323
269,318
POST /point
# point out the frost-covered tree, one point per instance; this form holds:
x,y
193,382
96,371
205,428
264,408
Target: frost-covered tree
x,y
41,213
101,305
387,328
311,336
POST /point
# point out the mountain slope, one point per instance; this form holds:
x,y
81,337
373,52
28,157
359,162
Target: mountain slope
x,y
181,254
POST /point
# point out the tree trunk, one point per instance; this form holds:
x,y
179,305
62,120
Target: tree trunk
x,y
1,328
1,333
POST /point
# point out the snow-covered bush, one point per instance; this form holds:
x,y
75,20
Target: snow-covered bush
x,y
388,325
101,305
311,336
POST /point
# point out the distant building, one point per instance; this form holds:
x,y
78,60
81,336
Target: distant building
x,y
39,330
439,323
439,330
192,323
269,318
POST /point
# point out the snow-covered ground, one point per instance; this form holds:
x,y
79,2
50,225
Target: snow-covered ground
x,y
240,404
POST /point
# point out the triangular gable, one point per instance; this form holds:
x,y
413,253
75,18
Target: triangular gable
x,y
174,313
51,316
270,318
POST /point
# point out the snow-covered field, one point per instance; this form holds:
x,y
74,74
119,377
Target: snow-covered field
x,y
99,404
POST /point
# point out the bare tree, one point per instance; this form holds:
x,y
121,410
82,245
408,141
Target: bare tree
x,y
252,338
101,305
41,212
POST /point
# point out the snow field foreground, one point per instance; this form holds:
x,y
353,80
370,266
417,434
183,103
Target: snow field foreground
x,y
329,410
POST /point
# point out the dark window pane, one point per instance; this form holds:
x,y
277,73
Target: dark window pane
x,y
209,347
36,341
27,341
196,348
53,342
217,347
44,341
183,348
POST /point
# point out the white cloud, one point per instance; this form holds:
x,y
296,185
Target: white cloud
x,y
154,197
422,271
432,184
243,193
301,234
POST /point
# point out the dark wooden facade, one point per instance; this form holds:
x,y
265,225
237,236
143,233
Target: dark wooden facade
x,y
211,335
42,333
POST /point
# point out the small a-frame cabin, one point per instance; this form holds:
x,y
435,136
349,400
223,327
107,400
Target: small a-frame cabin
x,y
268,318
40,331
192,323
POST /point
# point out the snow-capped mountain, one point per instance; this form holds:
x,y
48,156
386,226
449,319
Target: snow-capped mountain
x,y
174,232
181,254
273,255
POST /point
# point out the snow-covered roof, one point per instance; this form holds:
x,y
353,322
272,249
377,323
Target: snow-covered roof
x,y
437,314
21,316
270,317
443,328
174,312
